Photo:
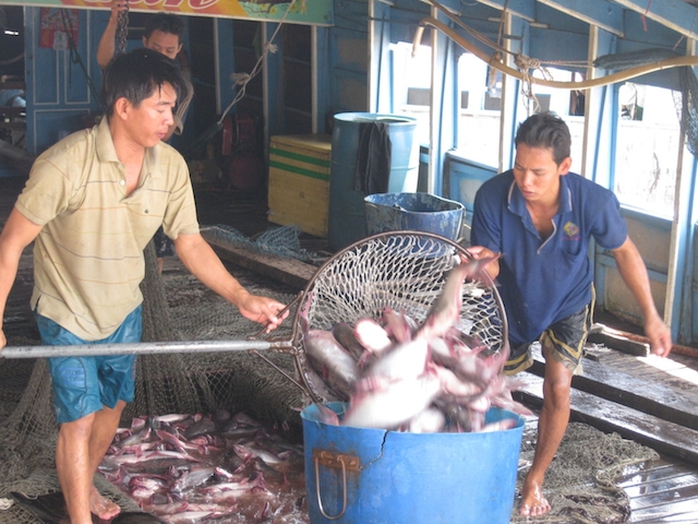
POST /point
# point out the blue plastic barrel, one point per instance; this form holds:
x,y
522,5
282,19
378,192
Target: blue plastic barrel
x,y
346,222
416,211
373,476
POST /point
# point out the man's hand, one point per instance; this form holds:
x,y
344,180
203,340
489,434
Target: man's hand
x,y
263,310
117,6
3,340
660,337
479,252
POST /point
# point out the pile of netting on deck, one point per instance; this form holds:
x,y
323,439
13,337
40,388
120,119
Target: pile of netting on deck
x,y
176,307
579,483
282,241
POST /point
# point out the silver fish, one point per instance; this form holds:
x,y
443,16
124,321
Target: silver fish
x,y
323,348
372,336
388,407
446,309
398,325
403,361
429,420
345,335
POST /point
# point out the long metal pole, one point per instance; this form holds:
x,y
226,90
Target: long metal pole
x,y
141,348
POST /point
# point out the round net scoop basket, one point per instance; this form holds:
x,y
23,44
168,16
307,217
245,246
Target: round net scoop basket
x,y
401,270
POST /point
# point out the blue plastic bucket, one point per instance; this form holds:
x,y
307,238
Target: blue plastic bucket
x,y
346,222
415,211
373,476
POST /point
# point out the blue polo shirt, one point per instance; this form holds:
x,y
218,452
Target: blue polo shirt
x,y
544,281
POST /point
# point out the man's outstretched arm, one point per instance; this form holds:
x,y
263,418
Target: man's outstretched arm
x,y
632,269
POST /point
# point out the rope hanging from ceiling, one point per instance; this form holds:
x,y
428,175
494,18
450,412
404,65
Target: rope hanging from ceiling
x,y
526,64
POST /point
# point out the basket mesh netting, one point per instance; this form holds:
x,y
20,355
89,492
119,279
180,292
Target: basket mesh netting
x,y
403,271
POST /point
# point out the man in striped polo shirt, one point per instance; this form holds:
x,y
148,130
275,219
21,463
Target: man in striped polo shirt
x,y
91,204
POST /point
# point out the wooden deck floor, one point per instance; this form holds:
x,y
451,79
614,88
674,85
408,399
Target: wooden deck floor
x,y
655,405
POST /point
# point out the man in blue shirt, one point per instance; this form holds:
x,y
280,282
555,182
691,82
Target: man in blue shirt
x,y
541,218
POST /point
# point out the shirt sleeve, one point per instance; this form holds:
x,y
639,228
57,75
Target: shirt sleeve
x,y
486,226
180,216
610,229
46,194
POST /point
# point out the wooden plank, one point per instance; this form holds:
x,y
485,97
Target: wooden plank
x,y
661,435
291,272
676,403
621,343
678,512
663,491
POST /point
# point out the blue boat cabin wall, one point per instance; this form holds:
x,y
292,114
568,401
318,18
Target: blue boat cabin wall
x,y
62,85
354,71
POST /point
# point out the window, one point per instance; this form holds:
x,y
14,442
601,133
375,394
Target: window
x,y
647,144
478,123
412,85
568,105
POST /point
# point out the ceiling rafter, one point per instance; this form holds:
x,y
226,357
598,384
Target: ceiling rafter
x,y
605,15
677,15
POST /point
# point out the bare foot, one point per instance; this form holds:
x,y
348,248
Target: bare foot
x,y
103,507
533,503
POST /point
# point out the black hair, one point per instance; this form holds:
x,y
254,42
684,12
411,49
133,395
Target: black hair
x,y
546,130
165,22
137,74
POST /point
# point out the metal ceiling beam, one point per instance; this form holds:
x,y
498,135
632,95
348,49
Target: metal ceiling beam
x,y
677,15
605,15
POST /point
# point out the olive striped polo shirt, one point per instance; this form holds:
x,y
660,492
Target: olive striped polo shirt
x,y
88,257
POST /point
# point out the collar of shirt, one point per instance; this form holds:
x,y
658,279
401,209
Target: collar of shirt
x,y
517,203
107,153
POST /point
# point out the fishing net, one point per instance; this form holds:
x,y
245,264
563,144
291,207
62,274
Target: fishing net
x,y
176,307
403,271
282,241
579,483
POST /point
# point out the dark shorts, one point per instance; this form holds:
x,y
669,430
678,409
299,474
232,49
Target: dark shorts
x,y
83,385
566,338
164,247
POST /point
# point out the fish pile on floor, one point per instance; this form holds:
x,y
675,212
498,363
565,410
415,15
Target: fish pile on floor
x,y
402,376
200,468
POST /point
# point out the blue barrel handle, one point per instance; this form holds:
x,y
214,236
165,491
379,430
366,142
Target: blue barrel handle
x,y
330,460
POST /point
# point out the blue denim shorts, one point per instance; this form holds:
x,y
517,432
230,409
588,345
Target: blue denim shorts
x,y
83,385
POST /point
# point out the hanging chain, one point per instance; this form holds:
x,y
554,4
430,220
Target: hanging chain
x,y
122,30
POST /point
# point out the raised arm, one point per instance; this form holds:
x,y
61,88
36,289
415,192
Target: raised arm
x,y
107,44
17,234
632,269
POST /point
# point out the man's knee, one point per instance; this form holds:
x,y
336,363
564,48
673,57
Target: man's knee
x,y
78,428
